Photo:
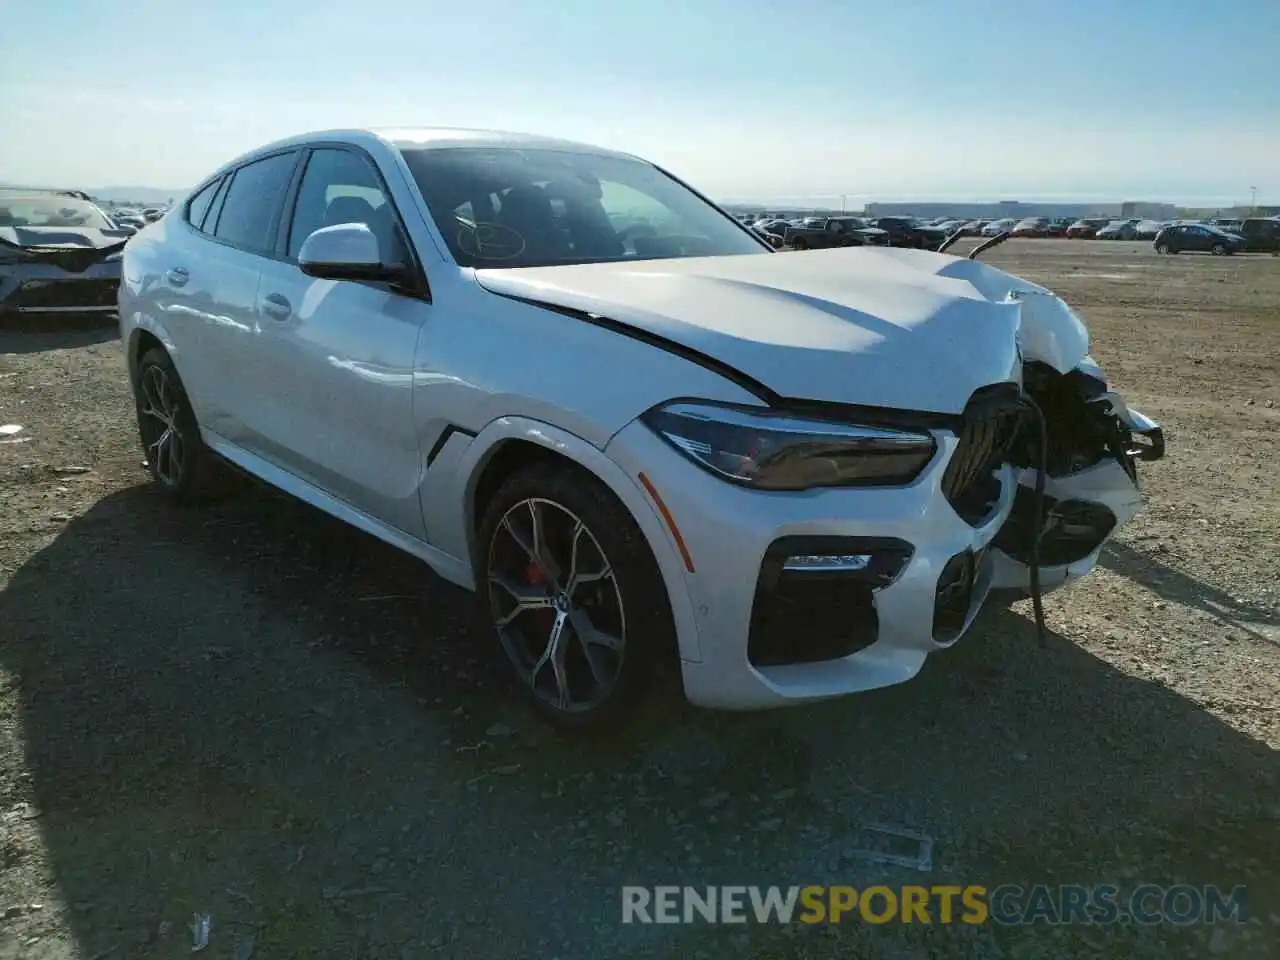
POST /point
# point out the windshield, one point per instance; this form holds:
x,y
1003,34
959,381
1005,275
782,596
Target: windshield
x,y
513,207
50,211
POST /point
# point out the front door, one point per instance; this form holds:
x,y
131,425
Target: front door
x,y
337,355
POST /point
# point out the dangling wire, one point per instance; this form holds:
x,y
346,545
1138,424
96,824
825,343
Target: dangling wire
x,y
1037,510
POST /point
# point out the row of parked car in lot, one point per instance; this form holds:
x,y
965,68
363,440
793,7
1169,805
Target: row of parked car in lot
x,y
1218,236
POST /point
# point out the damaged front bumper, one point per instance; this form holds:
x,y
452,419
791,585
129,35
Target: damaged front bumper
x,y
1092,489
57,280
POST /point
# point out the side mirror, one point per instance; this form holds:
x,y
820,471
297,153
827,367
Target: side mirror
x,y
346,251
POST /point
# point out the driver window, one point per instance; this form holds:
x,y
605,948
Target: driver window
x,y
341,186
636,215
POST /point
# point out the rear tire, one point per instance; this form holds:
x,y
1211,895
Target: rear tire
x,y
568,586
177,458
1218,250
799,243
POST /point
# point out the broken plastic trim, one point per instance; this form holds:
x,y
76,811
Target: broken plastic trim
x,y
946,244
986,245
72,259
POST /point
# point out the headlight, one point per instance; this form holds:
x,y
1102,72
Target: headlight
x,y
773,451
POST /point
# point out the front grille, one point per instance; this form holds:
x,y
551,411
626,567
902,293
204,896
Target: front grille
x,y
992,419
98,292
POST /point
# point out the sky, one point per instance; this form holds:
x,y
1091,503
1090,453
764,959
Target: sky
x,y
748,100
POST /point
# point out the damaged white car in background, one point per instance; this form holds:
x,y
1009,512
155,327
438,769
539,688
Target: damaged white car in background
x,y
566,380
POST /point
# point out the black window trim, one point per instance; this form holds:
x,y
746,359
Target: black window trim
x,y
212,215
228,177
216,183
420,287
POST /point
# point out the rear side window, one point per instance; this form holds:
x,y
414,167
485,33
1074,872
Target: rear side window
x,y
198,208
211,219
249,212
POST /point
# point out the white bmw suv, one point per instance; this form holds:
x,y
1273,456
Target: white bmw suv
x,y
568,381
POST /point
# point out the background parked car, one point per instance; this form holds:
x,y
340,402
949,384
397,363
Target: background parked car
x,y
1119,230
1198,237
128,217
59,254
1147,229
1087,228
997,227
823,232
1261,235
1032,227
905,232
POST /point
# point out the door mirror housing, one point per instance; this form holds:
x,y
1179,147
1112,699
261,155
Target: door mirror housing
x,y
346,251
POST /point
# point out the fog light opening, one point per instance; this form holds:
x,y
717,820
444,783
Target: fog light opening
x,y
827,563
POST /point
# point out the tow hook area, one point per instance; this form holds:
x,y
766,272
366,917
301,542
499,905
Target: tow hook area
x,y
1148,451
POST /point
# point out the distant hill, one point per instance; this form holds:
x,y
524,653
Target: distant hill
x,y
137,194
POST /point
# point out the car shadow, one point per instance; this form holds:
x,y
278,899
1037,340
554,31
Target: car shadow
x,y
1176,586
255,712
24,335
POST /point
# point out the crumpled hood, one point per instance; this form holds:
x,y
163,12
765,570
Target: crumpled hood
x,y
78,237
74,249
887,327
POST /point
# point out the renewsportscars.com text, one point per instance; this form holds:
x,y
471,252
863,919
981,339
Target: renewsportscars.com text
x,y
1008,904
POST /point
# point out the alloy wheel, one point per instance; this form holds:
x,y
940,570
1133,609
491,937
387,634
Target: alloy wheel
x,y
556,605
158,412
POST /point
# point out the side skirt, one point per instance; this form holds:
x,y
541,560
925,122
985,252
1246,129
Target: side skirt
x,y
448,567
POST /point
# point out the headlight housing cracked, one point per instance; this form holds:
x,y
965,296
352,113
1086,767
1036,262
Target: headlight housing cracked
x,y
769,450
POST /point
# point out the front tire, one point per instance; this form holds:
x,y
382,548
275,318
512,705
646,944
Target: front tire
x,y
569,586
177,459
1163,249
1218,250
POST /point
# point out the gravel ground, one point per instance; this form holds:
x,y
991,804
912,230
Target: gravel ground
x,y
252,712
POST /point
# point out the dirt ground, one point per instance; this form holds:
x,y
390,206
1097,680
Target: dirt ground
x,y
251,712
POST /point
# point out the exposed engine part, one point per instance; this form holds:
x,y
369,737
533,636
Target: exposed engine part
x,y
1071,529
1083,429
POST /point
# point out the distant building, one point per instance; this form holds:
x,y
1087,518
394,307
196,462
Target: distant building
x,y
1151,211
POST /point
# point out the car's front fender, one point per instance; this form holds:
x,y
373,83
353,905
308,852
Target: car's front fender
x,y
449,493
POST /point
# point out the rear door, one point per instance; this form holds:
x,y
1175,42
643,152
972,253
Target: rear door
x,y
335,394
175,285
1199,239
215,277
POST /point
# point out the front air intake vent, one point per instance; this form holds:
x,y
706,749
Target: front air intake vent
x,y
992,419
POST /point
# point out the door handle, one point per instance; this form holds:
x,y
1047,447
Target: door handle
x,y
276,307
178,276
